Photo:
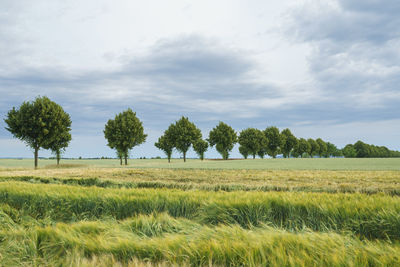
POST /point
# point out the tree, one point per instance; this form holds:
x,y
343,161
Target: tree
x,y
243,150
40,124
252,139
200,146
302,147
289,141
120,155
124,132
314,147
349,151
165,144
60,144
224,138
323,148
363,149
263,146
183,134
274,140
332,150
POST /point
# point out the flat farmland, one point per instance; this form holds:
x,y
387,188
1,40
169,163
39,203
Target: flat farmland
x,y
233,213
235,164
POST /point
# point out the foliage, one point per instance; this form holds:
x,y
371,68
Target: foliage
x,y
322,147
302,147
40,124
183,134
243,150
332,151
349,151
224,138
252,140
200,146
124,132
289,141
166,144
363,150
274,140
314,147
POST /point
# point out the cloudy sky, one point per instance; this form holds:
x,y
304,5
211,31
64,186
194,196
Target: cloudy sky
x,y
328,69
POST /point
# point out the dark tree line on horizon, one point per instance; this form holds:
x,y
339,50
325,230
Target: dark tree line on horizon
x,y
43,124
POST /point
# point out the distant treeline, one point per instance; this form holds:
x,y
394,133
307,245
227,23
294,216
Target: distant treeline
x,y
363,150
43,124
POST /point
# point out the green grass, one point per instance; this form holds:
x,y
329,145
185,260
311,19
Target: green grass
x,y
257,164
162,239
376,216
316,212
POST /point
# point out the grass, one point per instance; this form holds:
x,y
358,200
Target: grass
x,y
95,213
257,164
370,182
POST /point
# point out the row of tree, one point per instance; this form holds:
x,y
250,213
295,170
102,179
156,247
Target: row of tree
x,y
43,124
363,150
183,134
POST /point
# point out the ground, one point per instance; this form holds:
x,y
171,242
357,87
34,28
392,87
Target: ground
x,y
291,212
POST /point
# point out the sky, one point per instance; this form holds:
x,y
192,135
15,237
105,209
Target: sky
x,y
328,69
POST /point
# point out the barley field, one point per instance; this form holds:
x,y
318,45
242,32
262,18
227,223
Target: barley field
x,y
255,213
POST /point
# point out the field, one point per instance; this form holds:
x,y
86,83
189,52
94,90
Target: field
x,y
282,212
256,164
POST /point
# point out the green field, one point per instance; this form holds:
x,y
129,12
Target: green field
x,y
282,212
256,164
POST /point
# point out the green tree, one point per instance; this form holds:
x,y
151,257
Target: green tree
x,y
302,147
200,146
252,139
124,132
243,150
40,124
263,148
166,144
289,141
323,147
274,140
363,149
224,138
349,151
183,134
314,147
332,151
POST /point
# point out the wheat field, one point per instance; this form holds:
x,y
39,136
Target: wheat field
x,y
93,215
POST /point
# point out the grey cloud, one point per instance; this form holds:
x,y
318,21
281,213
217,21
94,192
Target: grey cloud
x,y
189,76
355,56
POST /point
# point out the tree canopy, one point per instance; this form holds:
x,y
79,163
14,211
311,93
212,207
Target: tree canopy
x,y
200,146
184,133
289,141
302,147
124,132
41,123
252,139
274,140
314,147
166,144
224,138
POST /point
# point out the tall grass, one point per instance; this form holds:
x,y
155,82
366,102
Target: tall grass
x,y
369,182
373,217
169,241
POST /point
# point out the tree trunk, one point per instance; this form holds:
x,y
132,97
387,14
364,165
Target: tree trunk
x,y
120,161
58,157
184,156
169,159
254,156
126,159
36,157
